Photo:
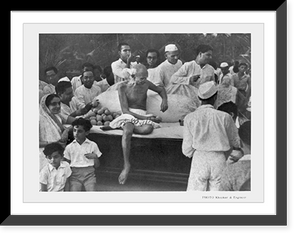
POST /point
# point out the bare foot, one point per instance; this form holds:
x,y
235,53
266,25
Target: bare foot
x,y
123,175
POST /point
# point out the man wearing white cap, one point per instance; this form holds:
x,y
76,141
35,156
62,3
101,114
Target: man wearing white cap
x,y
227,92
208,137
225,73
198,71
167,68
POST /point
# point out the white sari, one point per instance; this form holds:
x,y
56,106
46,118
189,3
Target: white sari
x,y
50,128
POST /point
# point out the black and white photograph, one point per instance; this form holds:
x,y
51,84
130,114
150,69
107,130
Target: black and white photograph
x,y
169,120
145,112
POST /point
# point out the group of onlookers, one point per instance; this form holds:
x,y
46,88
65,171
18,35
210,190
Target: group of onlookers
x,y
216,135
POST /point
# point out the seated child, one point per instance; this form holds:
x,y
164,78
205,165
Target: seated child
x,y
54,176
83,155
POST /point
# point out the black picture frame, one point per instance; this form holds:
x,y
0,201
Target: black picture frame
x,y
279,219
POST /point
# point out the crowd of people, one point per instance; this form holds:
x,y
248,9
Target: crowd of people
x,y
216,136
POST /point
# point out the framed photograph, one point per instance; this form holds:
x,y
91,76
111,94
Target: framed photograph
x,y
156,191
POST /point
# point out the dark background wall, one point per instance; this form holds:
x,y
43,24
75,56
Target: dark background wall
x,y
68,51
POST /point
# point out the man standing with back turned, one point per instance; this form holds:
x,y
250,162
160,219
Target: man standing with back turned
x,y
209,136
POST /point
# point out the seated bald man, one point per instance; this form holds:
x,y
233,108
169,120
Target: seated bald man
x,y
134,118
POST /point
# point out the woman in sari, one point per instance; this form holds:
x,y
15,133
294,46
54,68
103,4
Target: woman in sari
x,y
51,124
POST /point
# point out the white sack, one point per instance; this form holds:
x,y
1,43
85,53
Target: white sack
x,y
179,105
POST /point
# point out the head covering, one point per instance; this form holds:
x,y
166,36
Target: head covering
x,y
64,79
224,64
50,128
207,90
171,47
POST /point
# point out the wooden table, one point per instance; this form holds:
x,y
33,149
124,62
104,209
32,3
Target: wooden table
x,y
156,161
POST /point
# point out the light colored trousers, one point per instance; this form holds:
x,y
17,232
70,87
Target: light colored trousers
x,y
206,169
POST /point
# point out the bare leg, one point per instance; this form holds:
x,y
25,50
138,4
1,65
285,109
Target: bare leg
x,y
126,145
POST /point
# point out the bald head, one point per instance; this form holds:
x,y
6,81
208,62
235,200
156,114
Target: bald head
x,y
141,71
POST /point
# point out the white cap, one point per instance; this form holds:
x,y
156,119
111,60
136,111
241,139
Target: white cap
x,y
224,64
171,47
64,79
207,90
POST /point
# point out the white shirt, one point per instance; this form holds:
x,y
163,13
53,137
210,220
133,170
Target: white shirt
x,y
119,70
103,85
208,129
55,179
153,77
165,71
66,110
85,95
75,152
76,82
227,77
188,69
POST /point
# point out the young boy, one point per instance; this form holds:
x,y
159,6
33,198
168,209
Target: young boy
x,y
83,156
54,176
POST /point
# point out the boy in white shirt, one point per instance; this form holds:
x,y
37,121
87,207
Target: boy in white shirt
x,y
54,176
83,156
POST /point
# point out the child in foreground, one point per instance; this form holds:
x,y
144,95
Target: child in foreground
x,y
54,176
83,155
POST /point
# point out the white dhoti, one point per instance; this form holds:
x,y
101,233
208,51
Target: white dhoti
x,y
206,169
120,121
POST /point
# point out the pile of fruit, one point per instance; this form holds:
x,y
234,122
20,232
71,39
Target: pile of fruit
x,y
101,116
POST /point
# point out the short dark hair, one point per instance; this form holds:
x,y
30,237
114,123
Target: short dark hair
x,y
87,64
212,63
122,44
88,71
86,124
229,107
152,50
203,48
62,86
245,132
49,98
98,67
107,70
50,68
53,147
